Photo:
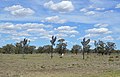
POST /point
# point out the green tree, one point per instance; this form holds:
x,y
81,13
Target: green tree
x,y
18,48
1,50
8,49
61,47
47,49
40,50
100,47
30,49
76,49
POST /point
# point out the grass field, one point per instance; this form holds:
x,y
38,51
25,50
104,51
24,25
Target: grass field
x,y
40,65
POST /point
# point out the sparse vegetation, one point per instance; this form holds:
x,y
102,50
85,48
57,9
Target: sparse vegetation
x,y
40,65
36,64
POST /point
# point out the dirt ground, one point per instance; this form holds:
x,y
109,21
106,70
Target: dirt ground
x,y
41,65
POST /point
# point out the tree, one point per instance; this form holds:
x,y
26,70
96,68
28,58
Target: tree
x,y
18,48
52,41
87,49
61,47
76,49
30,49
100,47
24,44
47,49
1,50
110,46
85,45
40,50
96,45
8,49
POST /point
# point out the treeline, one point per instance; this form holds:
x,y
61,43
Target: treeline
x,y
23,47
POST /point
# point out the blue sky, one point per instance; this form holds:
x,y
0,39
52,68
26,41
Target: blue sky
x,y
72,20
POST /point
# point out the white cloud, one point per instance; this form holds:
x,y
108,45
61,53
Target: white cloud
x,y
21,34
8,26
109,11
17,39
90,13
55,19
108,38
96,8
92,42
83,10
62,7
8,31
87,11
72,35
36,30
91,10
13,8
101,25
48,26
41,33
31,25
18,10
91,35
61,35
48,36
31,30
118,6
67,30
118,38
99,9
98,31
91,7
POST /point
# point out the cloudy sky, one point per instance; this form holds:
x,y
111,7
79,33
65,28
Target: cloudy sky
x,y
72,20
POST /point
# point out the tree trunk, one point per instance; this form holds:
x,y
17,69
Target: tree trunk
x,y
52,52
83,53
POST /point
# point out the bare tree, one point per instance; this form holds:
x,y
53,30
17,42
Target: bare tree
x,y
96,45
24,44
85,46
110,46
52,41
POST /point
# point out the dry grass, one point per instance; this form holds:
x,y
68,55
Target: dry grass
x,y
40,65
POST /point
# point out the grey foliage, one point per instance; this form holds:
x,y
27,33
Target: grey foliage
x,y
86,47
52,41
